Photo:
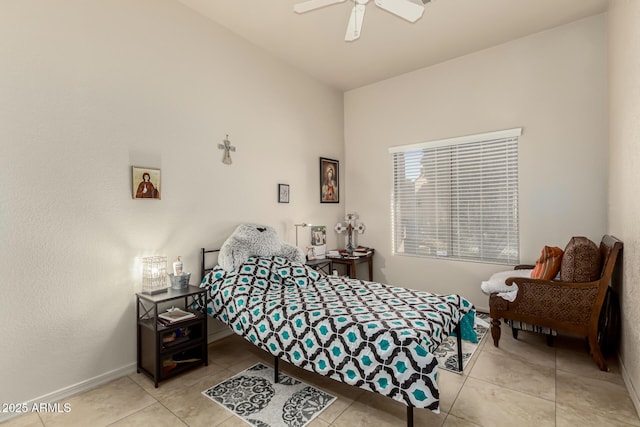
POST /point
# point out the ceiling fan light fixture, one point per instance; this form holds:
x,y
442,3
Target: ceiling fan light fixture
x,y
313,5
404,9
354,27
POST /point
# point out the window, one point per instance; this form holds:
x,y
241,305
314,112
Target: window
x,y
457,198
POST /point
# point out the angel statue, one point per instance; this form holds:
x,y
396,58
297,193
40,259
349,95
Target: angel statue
x,y
226,159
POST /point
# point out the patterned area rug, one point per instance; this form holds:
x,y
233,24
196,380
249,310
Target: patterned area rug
x,y
253,396
447,352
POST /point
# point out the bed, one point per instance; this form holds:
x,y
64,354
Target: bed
x,y
370,335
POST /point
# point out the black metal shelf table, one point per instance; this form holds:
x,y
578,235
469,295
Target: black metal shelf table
x,y
165,350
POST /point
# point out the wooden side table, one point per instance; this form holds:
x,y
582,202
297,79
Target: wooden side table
x,y
352,262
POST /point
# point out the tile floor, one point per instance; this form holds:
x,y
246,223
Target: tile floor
x,y
522,383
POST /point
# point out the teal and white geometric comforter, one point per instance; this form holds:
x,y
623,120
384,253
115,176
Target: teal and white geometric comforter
x,y
377,337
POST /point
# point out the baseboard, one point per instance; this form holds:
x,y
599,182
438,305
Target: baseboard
x,y
71,390
633,393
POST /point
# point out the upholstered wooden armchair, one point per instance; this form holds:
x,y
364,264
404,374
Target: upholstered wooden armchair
x,y
565,306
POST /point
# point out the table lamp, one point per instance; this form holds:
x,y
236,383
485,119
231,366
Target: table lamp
x,y
154,275
304,224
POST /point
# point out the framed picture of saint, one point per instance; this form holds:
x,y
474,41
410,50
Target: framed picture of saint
x,y
329,182
145,183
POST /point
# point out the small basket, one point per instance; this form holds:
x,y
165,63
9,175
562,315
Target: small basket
x,y
179,282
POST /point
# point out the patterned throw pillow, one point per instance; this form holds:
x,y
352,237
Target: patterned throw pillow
x,y
257,267
548,265
294,273
581,261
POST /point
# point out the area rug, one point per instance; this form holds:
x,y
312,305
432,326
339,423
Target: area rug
x,y
447,352
253,396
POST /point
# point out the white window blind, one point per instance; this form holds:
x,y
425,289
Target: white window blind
x,y
457,198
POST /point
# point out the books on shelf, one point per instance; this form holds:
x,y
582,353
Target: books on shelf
x,y
173,315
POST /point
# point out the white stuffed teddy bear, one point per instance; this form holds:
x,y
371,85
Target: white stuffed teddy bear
x,y
255,240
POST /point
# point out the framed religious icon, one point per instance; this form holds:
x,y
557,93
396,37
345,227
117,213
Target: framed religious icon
x,y
329,182
145,182
283,193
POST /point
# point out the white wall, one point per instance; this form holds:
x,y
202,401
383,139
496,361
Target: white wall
x,y
89,88
624,203
552,84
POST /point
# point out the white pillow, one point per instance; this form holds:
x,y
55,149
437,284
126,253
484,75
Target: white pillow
x,y
496,281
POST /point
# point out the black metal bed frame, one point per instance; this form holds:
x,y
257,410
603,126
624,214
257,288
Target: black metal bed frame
x,y
276,359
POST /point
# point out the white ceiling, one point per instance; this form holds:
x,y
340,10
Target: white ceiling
x,y
389,46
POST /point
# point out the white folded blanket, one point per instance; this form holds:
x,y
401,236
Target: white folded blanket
x,y
496,284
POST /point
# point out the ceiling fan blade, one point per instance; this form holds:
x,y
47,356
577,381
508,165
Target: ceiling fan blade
x,y
355,23
402,8
313,4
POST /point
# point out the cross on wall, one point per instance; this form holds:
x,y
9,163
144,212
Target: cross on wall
x,y
227,147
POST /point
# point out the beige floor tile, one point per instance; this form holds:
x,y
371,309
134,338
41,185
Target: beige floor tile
x,y
566,416
318,422
599,398
529,346
452,421
102,405
372,409
232,349
500,387
26,420
247,362
179,382
581,363
195,409
449,384
155,415
232,421
515,373
486,404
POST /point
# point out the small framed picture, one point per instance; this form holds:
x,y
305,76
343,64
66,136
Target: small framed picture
x,y
329,182
283,193
145,183
318,235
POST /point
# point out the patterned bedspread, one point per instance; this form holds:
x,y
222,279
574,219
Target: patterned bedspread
x,y
377,337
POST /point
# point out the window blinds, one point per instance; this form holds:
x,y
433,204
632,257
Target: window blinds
x,y
457,198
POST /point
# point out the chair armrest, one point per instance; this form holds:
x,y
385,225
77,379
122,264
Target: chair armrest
x,y
548,299
527,281
524,267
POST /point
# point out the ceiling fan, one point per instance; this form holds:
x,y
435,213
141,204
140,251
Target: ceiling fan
x,y
405,9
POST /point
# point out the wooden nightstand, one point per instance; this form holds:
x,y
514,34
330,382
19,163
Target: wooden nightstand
x,y
352,262
165,350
